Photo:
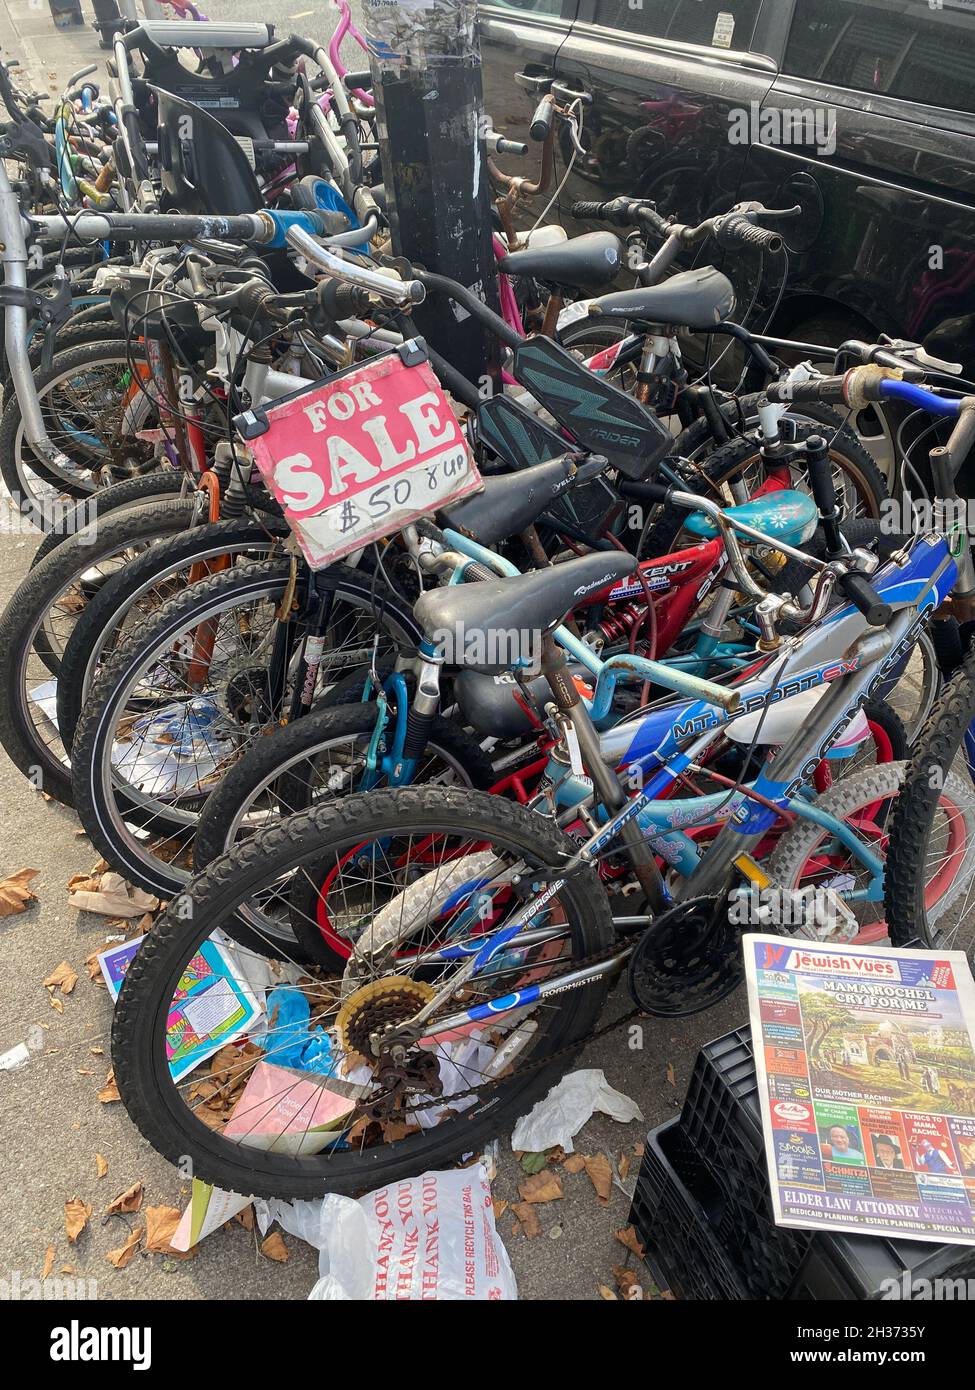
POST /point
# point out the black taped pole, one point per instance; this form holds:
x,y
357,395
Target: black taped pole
x,y
426,67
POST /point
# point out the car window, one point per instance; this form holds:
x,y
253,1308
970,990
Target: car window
x,y
550,7
713,23
902,48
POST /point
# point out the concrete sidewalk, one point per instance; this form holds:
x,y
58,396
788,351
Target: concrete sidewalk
x,y
51,1119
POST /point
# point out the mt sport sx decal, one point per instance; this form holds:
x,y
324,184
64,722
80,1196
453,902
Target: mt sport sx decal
x,y
751,818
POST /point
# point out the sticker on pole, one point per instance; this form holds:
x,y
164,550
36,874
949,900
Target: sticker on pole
x,y
361,454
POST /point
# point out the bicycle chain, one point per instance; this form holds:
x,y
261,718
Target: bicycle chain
x,y
569,1050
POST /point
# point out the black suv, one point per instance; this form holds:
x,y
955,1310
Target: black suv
x,y
860,111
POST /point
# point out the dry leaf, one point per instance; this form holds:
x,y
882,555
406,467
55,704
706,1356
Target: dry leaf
x,y
500,1207
61,977
14,893
627,1283
76,1217
129,1200
101,1165
67,1269
608,1294
600,1175
110,895
671,1074
623,1167
574,1163
628,1237
246,1218
48,1261
528,1219
109,1091
161,1223
121,1257
274,1248
545,1186
56,1003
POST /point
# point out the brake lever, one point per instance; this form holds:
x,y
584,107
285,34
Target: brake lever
x,y
758,212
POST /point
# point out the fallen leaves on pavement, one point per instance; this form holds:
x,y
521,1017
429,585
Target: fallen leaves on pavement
x,y
62,977
129,1200
15,896
48,1261
101,1165
527,1219
109,1091
121,1257
628,1237
545,1186
600,1175
161,1223
628,1284
77,1214
274,1248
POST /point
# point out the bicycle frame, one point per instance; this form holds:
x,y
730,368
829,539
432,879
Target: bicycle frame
x,y
836,654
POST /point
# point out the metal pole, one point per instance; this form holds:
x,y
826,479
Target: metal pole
x,y
426,66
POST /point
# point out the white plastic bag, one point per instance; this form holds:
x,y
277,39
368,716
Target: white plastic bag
x,y
568,1105
431,1237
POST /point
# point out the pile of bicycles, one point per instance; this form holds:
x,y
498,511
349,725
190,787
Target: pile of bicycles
x,y
431,713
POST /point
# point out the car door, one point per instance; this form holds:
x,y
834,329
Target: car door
x,y
520,40
871,129
667,80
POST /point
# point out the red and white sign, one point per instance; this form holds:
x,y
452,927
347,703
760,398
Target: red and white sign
x,y
362,455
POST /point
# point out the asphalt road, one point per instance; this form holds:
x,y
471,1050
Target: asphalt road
x,y
50,1118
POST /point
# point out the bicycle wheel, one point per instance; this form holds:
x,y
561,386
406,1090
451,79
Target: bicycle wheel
x,y
190,690
350,1131
809,856
311,762
931,860
140,589
36,626
91,407
159,485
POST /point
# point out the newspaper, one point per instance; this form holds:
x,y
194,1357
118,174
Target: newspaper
x,y
866,1075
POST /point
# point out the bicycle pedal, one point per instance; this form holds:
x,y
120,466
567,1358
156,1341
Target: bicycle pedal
x,y
826,917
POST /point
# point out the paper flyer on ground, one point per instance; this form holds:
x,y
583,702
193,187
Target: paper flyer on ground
x,y
866,1074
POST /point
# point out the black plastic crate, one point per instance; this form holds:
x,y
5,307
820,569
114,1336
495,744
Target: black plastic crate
x,y
862,1267
676,1208
723,1124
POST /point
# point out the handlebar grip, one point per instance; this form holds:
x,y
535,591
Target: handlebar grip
x,y
821,475
342,301
541,122
864,596
587,209
644,492
736,230
829,390
506,146
358,81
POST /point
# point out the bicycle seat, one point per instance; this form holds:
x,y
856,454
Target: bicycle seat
x,y
792,516
695,299
510,502
495,625
589,262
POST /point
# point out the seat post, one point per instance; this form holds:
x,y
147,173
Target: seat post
x,y
555,669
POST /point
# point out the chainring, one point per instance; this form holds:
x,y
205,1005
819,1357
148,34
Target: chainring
x,y
687,960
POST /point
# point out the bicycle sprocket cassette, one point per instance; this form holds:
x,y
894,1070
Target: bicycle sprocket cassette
x,y
687,960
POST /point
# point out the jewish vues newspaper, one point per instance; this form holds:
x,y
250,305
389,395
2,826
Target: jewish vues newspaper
x,y
866,1071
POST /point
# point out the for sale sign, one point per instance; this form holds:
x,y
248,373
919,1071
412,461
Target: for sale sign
x,y
357,457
